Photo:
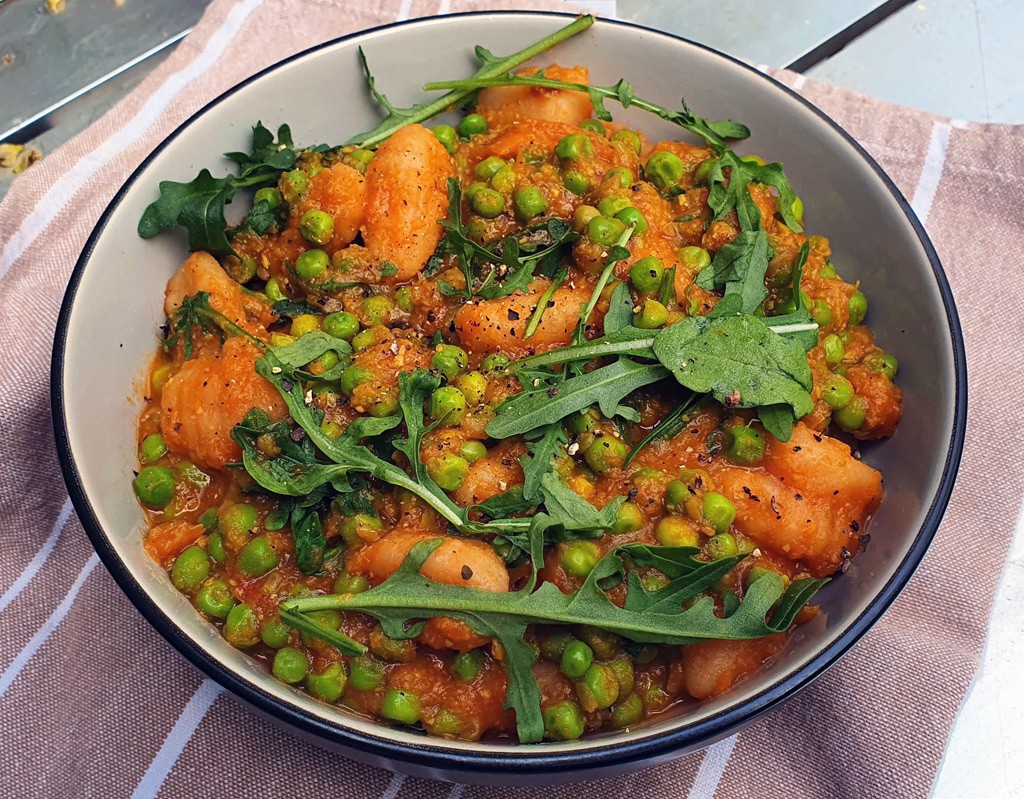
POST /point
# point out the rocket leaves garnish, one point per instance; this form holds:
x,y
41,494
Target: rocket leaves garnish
x,y
406,599
196,314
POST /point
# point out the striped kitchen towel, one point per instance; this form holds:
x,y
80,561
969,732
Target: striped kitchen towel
x,y
94,703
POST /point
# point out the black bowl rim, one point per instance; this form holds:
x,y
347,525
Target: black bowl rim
x,y
647,749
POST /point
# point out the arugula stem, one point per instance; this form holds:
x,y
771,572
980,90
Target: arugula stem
x,y
581,329
302,623
542,303
800,328
228,326
455,98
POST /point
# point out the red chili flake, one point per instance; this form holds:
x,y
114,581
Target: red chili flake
x,y
855,526
797,449
467,572
513,316
733,399
287,385
775,508
297,434
799,497
817,438
632,493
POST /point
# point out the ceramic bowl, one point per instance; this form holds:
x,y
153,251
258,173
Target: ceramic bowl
x,y
108,331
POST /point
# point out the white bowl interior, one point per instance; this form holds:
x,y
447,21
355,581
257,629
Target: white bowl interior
x,y
113,326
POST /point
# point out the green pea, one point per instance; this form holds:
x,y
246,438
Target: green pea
x,y
676,494
664,169
400,706
721,546
359,159
798,210
673,531
311,264
495,362
852,416
652,315
448,471
605,230
694,259
353,377
378,309
447,136
215,546
386,405
404,299
316,227
833,348
605,453
757,572
152,448
858,307
583,421
364,339
472,451
489,167
449,360
598,688
293,185
291,665
366,673
552,647
215,599
620,176
580,557
449,404
610,206
361,521
271,196
470,192
391,649
881,362
303,324
828,271
564,721
529,203
154,486
630,138
593,125
504,180
626,712
744,445
838,392
274,632
487,203
622,668
646,274
718,510
605,645
346,583
703,171
633,217
574,146
821,313
190,568
257,557
472,125
341,324
238,519
576,659
582,217
473,385
468,665
273,290
242,628
327,685
628,519
576,182
446,723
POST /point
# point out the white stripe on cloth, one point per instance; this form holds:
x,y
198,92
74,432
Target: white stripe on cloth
x,y
66,187
712,767
931,172
40,558
444,7
393,787
44,632
181,733
404,10
798,82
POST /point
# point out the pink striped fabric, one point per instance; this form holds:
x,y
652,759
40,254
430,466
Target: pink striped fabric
x,y
94,703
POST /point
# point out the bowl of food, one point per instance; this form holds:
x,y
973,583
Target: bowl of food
x,y
536,423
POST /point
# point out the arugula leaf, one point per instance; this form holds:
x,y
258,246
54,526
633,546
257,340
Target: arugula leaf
x,y
198,205
293,308
798,325
740,267
545,300
540,455
522,253
406,598
196,312
670,425
490,65
606,386
308,347
620,310
739,360
260,219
